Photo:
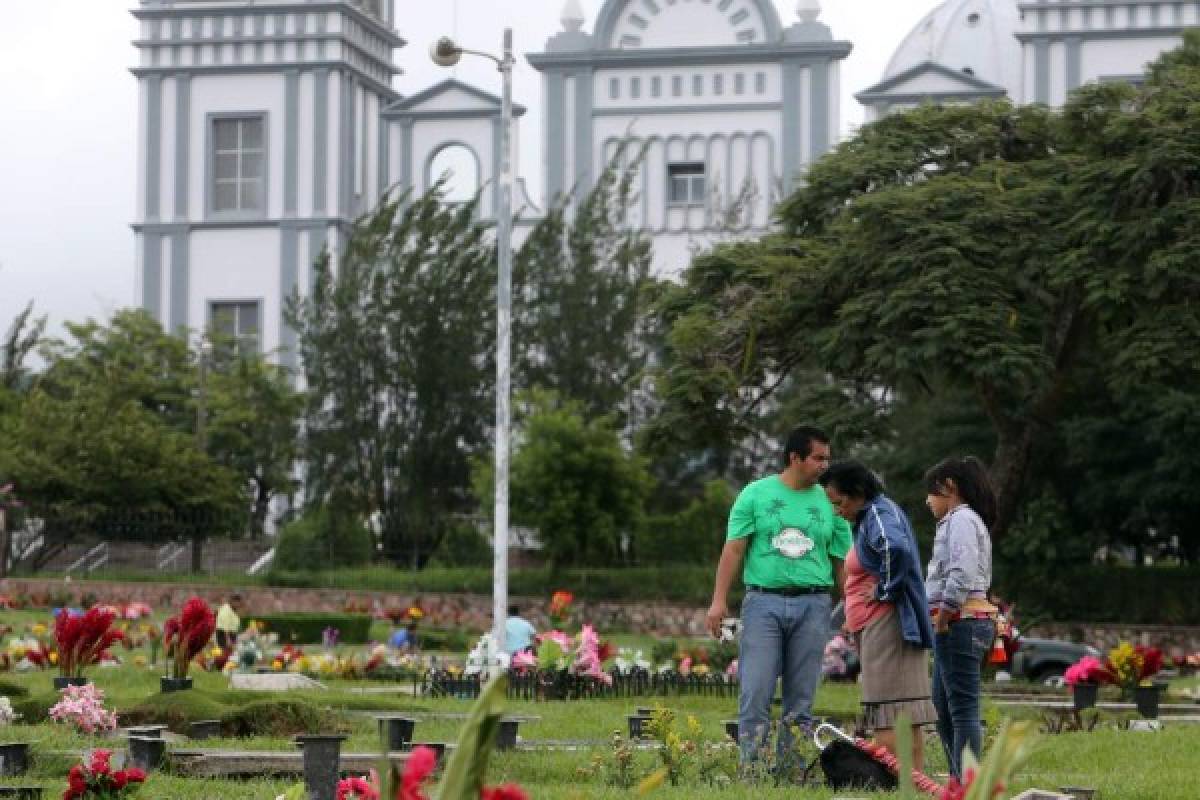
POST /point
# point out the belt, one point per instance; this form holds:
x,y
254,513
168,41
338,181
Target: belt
x,y
790,591
955,616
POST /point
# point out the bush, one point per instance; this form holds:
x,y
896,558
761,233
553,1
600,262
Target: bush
x,y
695,535
326,536
454,640
1099,593
10,689
462,546
276,718
305,628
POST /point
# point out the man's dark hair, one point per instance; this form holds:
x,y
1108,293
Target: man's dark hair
x,y
514,611
853,479
971,479
800,442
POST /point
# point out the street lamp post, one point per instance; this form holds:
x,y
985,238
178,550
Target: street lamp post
x,y
446,53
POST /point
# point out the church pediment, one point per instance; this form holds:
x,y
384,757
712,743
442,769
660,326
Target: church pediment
x,y
661,24
450,97
930,80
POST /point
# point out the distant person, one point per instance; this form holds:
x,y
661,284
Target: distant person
x,y
518,632
229,624
404,638
886,608
962,500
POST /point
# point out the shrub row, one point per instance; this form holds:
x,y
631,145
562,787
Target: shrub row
x,y
1104,594
305,628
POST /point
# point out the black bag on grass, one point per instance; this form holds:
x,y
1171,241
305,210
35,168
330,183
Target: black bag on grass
x,y
847,767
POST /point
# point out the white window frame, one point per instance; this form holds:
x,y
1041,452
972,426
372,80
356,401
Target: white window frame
x,y
686,184
244,343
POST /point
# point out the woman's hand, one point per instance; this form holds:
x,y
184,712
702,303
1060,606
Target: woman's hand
x,y
941,621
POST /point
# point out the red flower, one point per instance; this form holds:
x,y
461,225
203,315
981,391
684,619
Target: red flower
x,y
189,633
420,765
356,789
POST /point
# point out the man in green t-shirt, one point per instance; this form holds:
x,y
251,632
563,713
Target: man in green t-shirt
x,y
793,544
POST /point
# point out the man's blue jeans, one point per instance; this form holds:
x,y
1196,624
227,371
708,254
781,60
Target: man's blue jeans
x,y
781,637
957,658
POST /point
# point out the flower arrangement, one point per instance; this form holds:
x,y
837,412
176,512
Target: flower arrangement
x,y
329,638
83,707
1087,670
187,635
560,608
1133,666
355,788
96,779
83,639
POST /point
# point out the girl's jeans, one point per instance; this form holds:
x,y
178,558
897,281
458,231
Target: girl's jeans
x,y
957,657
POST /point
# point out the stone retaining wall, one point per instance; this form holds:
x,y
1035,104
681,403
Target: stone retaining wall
x,y
473,612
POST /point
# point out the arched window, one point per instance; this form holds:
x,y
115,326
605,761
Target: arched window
x,y
458,166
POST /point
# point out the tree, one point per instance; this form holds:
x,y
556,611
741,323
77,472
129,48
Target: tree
x,y
984,249
396,345
24,334
579,281
574,482
254,429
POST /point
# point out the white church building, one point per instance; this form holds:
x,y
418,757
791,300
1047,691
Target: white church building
x,y
267,126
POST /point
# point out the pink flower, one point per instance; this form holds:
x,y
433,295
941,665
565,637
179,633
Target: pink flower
x,y
524,660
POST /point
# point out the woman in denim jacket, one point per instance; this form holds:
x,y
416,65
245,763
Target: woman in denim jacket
x,y
961,498
885,606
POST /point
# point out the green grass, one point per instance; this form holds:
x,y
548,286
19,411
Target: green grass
x,y
1121,764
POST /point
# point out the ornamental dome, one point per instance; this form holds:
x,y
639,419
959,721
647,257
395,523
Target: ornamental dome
x,y
976,37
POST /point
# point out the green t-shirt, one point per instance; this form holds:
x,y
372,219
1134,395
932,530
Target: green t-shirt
x,y
793,534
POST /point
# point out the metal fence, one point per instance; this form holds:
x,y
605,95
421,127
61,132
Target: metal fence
x,y
549,685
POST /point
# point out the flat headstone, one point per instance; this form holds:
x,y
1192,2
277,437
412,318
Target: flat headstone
x,y
1041,794
272,682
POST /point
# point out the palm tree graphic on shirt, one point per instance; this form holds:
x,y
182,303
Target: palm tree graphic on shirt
x,y
791,542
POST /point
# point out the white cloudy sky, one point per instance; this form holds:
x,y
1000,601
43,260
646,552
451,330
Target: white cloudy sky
x,y
67,134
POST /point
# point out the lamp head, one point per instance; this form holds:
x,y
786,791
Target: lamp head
x,y
444,52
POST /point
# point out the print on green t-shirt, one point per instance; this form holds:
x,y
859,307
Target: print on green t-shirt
x,y
793,534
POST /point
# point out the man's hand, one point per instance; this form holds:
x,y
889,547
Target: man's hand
x,y
717,613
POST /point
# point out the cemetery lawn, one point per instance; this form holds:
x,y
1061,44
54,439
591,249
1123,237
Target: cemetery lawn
x,y
1121,764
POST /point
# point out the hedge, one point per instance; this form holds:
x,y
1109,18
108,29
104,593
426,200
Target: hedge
x,y
1105,594
305,628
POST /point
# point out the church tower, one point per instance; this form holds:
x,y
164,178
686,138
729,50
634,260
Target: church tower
x,y
261,138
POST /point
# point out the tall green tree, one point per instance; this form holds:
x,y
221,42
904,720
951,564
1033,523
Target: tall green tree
x,y
22,338
982,250
397,345
579,284
572,481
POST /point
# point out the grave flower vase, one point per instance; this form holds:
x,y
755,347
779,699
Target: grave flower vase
x,y
1084,695
1147,700
62,681
169,684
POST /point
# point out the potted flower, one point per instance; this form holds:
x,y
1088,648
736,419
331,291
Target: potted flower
x,y
560,609
97,779
185,637
82,640
1084,677
1133,667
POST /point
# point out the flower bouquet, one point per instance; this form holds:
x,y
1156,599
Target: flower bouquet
x,y
1132,667
82,640
1085,678
83,707
560,609
97,780
185,637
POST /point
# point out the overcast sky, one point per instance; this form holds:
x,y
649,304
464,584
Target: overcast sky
x,y
69,124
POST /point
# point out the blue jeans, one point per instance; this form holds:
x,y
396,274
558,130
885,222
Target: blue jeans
x,y
781,637
957,657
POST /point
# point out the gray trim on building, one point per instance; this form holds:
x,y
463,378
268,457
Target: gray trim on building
x,y
378,61
584,106
291,143
384,158
882,89
153,146
917,98
790,122
692,108
406,155
1041,71
317,238
410,104
610,15
289,265
1059,5
428,178
320,139
465,113
348,100
556,143
693,56
1159,32
170,228
818,109
181,276
376,26
152,274
183,131
1074,47
245,69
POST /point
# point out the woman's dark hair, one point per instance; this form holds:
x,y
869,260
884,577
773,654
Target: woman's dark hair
x,y
971,479
854,479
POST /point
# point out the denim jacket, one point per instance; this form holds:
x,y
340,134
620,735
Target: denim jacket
x,y
961,567
887,548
